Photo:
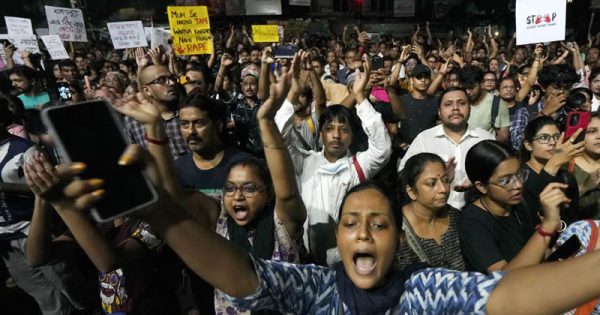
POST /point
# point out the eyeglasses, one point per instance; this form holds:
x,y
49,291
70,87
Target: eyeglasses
x,y
489,80
249,190
511,181
509,87
544,138
163,80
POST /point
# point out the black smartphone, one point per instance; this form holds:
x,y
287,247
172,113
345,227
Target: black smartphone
x,y
566,250
90,132
284,51
64,91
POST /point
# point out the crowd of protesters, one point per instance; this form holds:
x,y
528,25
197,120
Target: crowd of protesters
x,y
411,175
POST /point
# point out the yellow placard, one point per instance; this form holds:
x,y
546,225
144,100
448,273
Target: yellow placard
x,y
190,29
265,33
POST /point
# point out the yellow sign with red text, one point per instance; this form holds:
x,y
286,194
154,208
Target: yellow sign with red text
x,y
265,33
190,29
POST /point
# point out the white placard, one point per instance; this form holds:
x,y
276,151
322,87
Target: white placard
x,y
18,26
263,7
66,23
21,43
540,23
159,37
304,3
129,34
404,8
55,47
42,31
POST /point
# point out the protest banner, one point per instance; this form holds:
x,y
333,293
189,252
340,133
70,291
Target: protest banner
x,y
159,37
55,47
22,43
128,34
265,33
539,24
404,8
190,29
18,26
66,23
304,3
263,7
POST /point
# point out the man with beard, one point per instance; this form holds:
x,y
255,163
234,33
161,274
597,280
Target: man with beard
x,y
202,125
451,140
159,86
25,81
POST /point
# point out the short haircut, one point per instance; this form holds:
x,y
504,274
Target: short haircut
x,y
561,75
215,110
470,75
339,113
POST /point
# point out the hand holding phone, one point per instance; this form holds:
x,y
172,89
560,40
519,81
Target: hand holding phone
x,y
64,91
576,120
568,249
90,133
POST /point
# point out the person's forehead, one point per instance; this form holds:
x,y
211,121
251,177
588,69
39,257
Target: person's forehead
x,y
454,96
193,74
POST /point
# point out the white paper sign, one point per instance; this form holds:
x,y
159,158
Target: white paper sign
x,y
42,31
18,26
21,43
159,37
66,23
304,3
404,8
540,23
128,34
55,47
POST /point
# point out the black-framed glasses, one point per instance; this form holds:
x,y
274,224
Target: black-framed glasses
x,y
249,190
164,80
544,138
510,182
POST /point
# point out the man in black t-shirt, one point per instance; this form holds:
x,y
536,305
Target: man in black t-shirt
x,y
202,123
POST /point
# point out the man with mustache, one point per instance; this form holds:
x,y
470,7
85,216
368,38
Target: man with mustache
x,y
202,126
451,140
159,86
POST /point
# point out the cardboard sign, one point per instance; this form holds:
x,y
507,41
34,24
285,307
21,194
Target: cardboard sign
x,y
538,24
18,26
265,33
159,37
190,28
66,23
55,47
129,34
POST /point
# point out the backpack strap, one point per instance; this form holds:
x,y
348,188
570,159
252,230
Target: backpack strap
x,y
361,175
495,109
588,308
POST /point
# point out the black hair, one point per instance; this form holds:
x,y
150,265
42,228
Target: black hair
x,y
67,63
318,59
483,159
561,75
338,113
6,115
214,109
14,104
392,200
451,89
413,169
388,58
32,122
206,73
595,72
24,72
530,130
260,167
470,75
508,78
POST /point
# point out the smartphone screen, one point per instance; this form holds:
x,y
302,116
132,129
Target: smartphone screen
x,y
64,91
566,250
90,132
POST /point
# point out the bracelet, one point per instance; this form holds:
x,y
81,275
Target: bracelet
x,y
274,146
538,228
155,141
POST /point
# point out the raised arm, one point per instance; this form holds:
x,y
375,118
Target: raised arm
x,y
264,79
213,55
226,61
229,43
439,77
316,86
532,76
9,51
39,236
288,202
429,36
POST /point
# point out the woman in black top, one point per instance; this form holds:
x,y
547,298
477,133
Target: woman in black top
x,y
544,155
429,224
497,229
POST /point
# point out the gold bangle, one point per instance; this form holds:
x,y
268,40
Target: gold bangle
x,y
273,146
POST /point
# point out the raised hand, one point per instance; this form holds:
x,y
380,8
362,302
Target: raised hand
x,y
551,198
140,58
226,60
138,108
362,78
156,55
277,93
266,57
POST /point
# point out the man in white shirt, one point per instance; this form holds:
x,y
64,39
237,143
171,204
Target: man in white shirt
x,y
325,176
451,140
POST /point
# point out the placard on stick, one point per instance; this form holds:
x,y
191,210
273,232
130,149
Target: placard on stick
x,y
129,34
265,33
190,29
66,23
55,47
18,26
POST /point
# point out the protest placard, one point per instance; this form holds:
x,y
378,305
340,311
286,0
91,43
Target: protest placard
x,y
190,29
55,47
18,26
304,3
66,23
22,43
128,34
159,37
404,8
265,33
263,7
538,24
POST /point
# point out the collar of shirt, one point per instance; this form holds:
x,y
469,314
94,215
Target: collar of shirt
x,y
441,133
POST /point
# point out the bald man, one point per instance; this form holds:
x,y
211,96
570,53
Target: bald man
x,y
160,87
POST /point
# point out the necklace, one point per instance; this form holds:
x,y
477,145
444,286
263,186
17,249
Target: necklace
x,y
495,216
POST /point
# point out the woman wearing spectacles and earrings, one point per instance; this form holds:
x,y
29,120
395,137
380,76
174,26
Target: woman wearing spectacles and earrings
x,y
545,155
498,231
